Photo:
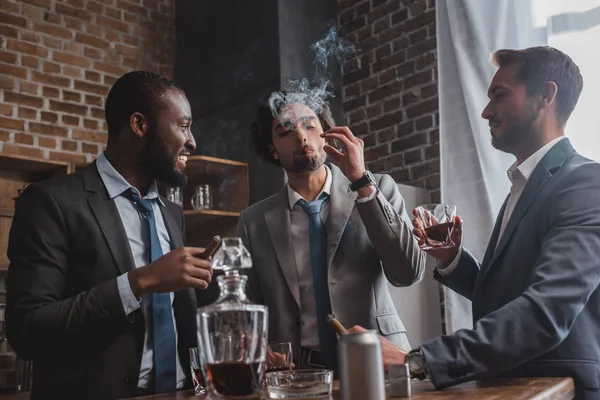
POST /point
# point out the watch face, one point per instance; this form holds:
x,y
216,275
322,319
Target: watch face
x,y
417,362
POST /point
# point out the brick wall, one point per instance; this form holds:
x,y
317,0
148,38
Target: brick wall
x,y
390,87
58,59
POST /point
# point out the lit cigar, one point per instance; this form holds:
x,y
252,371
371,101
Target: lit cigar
x,y
339,328
305,149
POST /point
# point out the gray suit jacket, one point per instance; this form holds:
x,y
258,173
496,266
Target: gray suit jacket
x,y
535,301
367,245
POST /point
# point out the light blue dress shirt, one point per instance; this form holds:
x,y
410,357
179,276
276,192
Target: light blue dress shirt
x,y
139,242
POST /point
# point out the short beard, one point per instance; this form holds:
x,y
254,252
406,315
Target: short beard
x,y
306,164
161,164
517,134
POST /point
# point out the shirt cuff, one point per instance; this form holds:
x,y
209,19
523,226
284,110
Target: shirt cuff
x,y
445,271
130,303
370,197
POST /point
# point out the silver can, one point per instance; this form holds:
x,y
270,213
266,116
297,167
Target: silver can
x,y
361,366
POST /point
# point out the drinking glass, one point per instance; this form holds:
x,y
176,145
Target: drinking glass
x,y
436,225
197,375
279,356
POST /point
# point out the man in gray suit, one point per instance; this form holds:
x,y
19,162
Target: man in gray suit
x,y
535,297
336,258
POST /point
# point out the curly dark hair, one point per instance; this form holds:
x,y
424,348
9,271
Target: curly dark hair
x,y
136,91
261,130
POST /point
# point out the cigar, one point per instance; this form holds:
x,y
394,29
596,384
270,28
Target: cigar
x,y
211,247
305,149
336,325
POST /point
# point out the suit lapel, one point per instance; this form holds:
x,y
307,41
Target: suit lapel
x,y
549,164
106,214
171,224
493,243
340,208
277,218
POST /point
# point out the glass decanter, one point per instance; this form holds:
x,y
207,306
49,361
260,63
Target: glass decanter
x,y
232,332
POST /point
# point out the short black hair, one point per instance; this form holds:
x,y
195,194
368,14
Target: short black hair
x,y
542,64
136,91
261,130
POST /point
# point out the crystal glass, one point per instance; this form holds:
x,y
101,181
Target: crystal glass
x,y
202,198
279,356
197,374
297,384
232,332
174,195
436,224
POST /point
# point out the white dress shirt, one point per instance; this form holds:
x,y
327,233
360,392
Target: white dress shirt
x,y
518,174
139,242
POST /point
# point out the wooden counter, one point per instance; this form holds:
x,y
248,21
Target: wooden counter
x,y
513,389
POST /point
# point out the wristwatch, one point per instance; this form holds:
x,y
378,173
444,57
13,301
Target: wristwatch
x,y
367,179
417,364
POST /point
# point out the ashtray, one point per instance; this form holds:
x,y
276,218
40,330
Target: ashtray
x,y
297,384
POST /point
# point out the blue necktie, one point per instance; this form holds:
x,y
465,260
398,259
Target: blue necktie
x,y
165,371
318,261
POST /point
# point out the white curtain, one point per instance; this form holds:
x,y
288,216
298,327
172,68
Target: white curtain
x,y
473,173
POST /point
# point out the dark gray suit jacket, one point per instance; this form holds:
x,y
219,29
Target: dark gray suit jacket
x,y
367,245
67,246
535,301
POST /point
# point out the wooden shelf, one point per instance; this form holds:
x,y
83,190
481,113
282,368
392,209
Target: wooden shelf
x,y
195,213
27,165
202,225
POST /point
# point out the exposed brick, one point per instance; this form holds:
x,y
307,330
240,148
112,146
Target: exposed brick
x,y
383,51
417,7
70,120
90,124
387,76
400,176
49,117
90,40
424,123
39,3
48,91
418,36
409,142
72,72
67,107
395,161
24,138
29,88
28,36
49,79
386,120
90,148
418,79
67,58
22,150
7,109
422,108
356,116
67,95
432,152
429,91
74,12
110,68
94,100
91,88
389,62
30,62
354,103
8,31
48,129
47,142
7,57
12,20
374,153
28,113
4,136
92,76
89,136
7,83
374,111
97,113
68,145
11,70
93,53
23,99
385,91
51,42
413,156
386,135
399,16
67,157
10,6
420,48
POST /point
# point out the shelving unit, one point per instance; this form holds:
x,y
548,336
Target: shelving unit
x,y
15,173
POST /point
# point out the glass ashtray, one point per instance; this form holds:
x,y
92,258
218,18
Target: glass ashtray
x,y
297,384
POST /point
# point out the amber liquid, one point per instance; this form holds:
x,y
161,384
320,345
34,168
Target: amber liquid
x,y
439,232
199,376
235,378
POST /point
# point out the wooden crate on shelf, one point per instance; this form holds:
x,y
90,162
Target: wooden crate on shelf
x,y
16,172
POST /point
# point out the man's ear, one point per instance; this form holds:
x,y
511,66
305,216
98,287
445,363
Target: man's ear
x,y
548,96
138,124
273,152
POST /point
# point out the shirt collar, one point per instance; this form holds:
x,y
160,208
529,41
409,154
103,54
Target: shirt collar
x,y
525,169
115,183
294,196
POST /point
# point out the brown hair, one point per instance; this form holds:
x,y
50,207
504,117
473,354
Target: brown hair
x,y
540,65
262,129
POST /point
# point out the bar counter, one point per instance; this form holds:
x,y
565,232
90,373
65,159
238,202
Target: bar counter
x,y
501,389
